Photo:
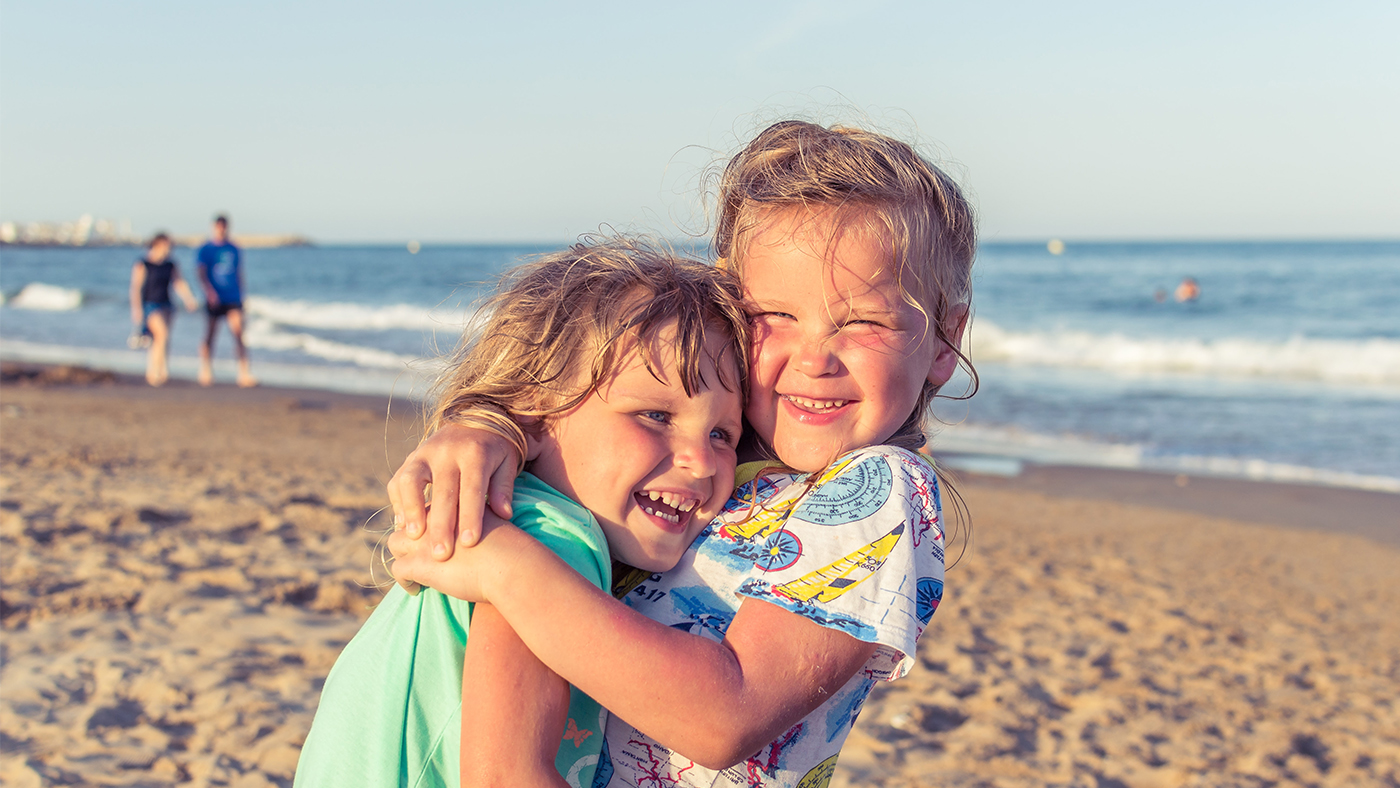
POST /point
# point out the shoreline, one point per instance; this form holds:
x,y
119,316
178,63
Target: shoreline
x,y
1365,513
183,565
1316,507
995,460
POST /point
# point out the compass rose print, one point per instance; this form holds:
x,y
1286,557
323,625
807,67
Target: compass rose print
x,y
927,594
780,551
855,494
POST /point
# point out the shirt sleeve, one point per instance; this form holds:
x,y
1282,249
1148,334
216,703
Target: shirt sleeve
x,y
577,540
862,552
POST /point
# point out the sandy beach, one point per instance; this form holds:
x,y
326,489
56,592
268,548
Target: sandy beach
x,y
181,567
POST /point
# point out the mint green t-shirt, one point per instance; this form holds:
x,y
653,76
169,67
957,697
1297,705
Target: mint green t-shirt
x,y
390,711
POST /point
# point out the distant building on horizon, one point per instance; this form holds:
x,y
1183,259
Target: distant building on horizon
x,y
87,231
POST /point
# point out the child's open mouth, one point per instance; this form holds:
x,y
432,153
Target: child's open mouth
x,y
816,406
668,506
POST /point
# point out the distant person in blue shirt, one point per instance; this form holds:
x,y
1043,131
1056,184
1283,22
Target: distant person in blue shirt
x,y
220,268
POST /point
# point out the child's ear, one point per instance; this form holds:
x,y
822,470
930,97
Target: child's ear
x,y
945,360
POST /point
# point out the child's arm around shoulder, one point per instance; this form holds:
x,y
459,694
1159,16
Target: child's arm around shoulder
x,y
717,703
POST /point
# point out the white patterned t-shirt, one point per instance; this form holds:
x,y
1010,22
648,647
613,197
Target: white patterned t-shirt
x,y
861,551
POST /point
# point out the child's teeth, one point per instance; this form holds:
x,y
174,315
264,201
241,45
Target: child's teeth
x,y
673,500
670,518
817,404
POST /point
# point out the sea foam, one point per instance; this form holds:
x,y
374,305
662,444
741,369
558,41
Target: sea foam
x,y
268,335
47,298
351,316
1000,450
1370,361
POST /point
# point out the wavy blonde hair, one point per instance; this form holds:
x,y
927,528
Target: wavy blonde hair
x,y
872,182
556,328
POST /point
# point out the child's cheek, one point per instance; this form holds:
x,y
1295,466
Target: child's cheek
x,y
876,341
759,341
771,346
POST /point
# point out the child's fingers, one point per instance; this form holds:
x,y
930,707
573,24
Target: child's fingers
x,y
501,490
471,507
400,569
392,488
405,490
442,516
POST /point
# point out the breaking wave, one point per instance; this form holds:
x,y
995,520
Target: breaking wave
x,y
269,336
354,317
1369,361
1000,450
46,298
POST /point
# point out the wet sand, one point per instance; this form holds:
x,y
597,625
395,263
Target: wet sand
x,y
181,566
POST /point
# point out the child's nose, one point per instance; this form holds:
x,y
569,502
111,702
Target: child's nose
x,y
816,357
697,456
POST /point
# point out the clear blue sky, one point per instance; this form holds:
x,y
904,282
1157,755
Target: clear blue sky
x,y
538,121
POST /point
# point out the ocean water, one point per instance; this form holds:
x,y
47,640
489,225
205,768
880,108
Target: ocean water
x,y
1286,368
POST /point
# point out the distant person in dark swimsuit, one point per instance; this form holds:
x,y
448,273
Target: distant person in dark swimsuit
x,y
151,310
220,267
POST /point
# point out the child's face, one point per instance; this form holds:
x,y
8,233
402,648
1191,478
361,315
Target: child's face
x,y
652,464
839,358
159,251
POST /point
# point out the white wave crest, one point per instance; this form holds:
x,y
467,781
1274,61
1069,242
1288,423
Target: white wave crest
x,y
1371,361
1000,450
47,298
355,317
268,336
1010,441
1265,471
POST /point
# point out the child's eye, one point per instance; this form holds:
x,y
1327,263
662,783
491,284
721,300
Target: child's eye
x,y
658,416
771,316
722,435
871,323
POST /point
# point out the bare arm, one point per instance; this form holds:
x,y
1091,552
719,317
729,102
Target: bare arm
x,y
513,709
202,271
183,289
138,281
717,703
465,465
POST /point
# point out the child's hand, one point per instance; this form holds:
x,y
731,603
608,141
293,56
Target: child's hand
x,y
467,573
464,465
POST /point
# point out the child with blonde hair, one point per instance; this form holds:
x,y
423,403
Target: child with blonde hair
x,y
748,663
623,370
